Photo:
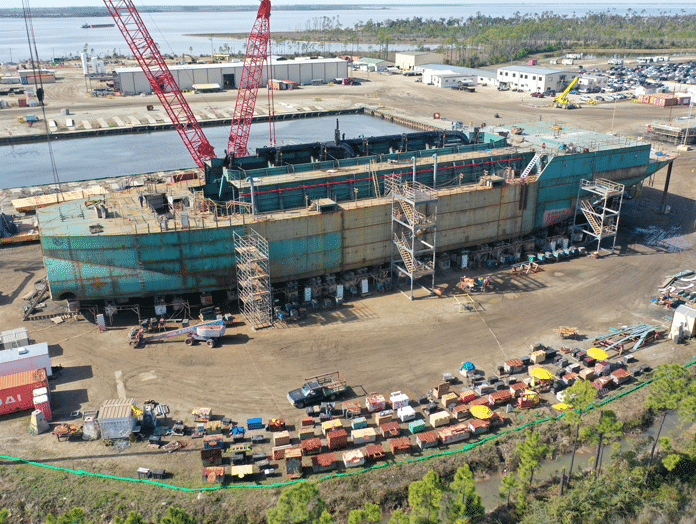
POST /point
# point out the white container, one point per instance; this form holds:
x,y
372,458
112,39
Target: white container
x,y
26,358
14,338
406,413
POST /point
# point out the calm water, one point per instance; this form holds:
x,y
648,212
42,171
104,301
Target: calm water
x,y
64,36
120,155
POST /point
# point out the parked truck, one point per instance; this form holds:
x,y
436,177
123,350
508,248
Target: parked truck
x,y
317,389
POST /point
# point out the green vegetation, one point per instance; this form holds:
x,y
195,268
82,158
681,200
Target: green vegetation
x,y
480,40
647,481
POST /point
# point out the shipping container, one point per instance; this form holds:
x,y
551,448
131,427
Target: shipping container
x,y
42,403
25,358
14,338
17,390
117,418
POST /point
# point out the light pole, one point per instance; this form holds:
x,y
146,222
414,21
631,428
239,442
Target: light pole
x,y
688,122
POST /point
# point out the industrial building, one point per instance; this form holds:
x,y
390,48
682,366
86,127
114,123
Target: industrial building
x,y
466,75
132,80
586,82
371,64
531,78
413,59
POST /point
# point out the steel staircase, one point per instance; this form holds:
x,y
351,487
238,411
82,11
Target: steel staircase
x,y
588,211
533,162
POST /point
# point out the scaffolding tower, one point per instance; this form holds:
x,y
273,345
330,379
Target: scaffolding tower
x,y
254,279
600,203
414,230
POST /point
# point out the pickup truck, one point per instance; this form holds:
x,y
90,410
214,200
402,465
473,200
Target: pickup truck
x,y
317,389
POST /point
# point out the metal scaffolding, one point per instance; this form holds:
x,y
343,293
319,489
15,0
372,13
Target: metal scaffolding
x,y
414,229
600,202
254,279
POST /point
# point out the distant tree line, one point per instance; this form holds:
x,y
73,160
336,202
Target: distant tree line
x,y
481,39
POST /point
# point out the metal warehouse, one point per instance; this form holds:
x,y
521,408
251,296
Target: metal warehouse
x,y
132,80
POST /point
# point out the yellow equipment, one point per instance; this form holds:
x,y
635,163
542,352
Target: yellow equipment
x,y
562,101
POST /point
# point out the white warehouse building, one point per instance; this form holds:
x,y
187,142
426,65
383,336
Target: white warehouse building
x,y
468,75
132,81
586,82
532,78
411,59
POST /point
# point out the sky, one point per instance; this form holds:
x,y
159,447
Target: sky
x,y
138,3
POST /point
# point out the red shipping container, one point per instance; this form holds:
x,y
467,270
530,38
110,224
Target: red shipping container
x,y
17,390
42,404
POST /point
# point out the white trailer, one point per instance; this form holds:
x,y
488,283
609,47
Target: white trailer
x,y
25,358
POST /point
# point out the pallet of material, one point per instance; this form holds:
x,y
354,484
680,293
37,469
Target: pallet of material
x,y
211,457
306,433
281,439
364,436
477,426
279,451
374,452
311,446
439,419
426,440
456,433
390,429
214,474
375,402
416,426
293,463
330,425
400,445
324,462
337,439
449,400
351,408
384,416
460,412
353,458
240,472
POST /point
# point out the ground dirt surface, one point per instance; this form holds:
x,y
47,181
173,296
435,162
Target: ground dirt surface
x,y
380,343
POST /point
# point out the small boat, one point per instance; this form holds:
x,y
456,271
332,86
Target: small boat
x,y
96,26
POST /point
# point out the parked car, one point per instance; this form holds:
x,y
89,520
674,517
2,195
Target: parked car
x,y
538,95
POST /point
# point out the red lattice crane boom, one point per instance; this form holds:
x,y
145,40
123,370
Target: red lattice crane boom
x,y
163,84
257,51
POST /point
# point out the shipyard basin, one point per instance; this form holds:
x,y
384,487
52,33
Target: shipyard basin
x,y
326,207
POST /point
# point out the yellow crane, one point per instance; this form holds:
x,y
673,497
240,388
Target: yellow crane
x,y
562,101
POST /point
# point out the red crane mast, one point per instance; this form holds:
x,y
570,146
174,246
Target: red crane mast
x,y
257,51
163,84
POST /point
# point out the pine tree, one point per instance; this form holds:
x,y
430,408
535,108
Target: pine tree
x,y
424,498
299,504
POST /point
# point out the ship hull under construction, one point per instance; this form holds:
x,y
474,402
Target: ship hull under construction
x,y
323,215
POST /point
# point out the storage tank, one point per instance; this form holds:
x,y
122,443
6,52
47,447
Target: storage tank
x,y
95,65
85,64
100,68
